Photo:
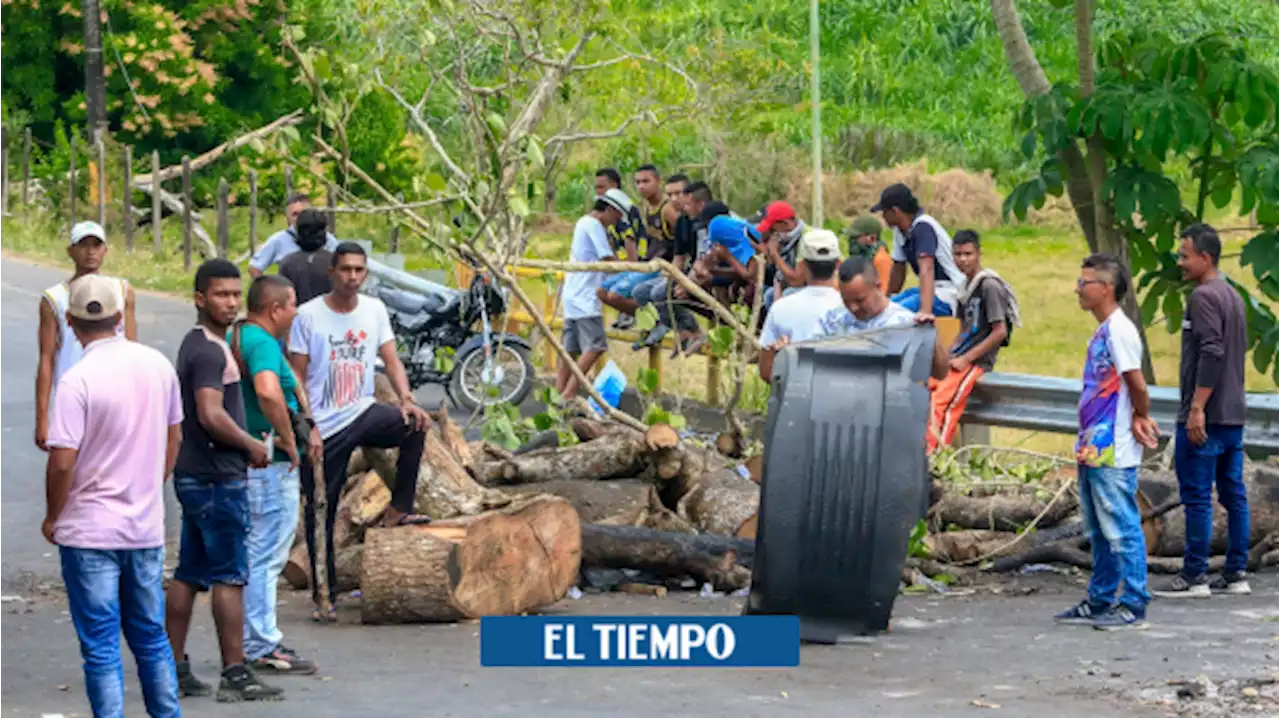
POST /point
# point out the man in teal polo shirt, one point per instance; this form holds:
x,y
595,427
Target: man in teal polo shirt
x,y
270,395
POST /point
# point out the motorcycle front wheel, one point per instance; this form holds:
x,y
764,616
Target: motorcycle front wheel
x,y
507,377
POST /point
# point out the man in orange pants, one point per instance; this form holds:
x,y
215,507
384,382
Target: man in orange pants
x,y
989,310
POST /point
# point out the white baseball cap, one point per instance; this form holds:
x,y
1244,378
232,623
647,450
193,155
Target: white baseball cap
x,y
94,297
617,199
820,245
84,230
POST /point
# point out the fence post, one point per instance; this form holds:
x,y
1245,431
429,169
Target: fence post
x,y
157,240
26,166
101,147
253,211
655,365
395,226
550,358
4,180
186,213
224,231
73,180
288,182
128,199
331,217
713,380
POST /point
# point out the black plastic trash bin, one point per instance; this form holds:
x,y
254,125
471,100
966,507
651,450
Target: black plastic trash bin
x,y
845,480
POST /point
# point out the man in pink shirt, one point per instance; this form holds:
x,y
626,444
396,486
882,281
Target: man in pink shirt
x,y
113,440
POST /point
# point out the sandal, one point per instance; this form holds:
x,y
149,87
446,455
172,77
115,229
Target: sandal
x,y
330,616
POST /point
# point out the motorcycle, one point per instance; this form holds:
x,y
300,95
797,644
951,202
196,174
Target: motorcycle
x,y
485,367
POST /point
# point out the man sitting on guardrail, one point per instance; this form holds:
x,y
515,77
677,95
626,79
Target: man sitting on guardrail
x,y
989,311
1114,426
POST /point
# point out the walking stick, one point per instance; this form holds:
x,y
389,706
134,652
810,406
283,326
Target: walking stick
x,y
320,510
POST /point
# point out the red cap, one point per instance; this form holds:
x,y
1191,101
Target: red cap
x,y
775,212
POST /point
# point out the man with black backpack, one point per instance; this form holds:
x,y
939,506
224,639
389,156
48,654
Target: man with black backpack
x,y
989,311
308,268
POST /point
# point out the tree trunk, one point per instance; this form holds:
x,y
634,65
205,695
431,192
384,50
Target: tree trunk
x,y
622,502
455,441
445,489
997,513
1263,489
366,500
957,546
616,454
95,80
505,562
347,563
706,559
722,503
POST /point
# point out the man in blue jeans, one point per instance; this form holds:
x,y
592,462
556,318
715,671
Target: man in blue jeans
x,y
271,394
1209,445
1114,426
112,442
212,486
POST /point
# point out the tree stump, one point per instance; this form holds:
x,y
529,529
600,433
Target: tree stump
x,y
504,562
722,503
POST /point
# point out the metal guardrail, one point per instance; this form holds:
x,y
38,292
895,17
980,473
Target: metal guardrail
x,y
1039,403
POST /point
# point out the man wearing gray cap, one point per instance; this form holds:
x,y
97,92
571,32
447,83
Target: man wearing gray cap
x,y
113,441
59,347
584,337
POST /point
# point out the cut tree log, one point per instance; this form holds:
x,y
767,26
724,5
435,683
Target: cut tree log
x,y
998,513
366,500
622,502
706,559
453,438
1263,489
755,467
957,546
619,454
445,489
731,444
347,562
722,503
517,559
589,429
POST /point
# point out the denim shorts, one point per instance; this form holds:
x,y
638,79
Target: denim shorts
x,y
215,527
624,283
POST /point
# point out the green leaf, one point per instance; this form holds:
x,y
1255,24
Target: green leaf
x,y
435,182
543,421
320,65
519,207
647,381
1029,145
721,340
497,125
1172,306
646,318
533,154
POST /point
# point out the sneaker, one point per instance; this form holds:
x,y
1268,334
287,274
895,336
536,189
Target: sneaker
x,y
239,684
1183,587
283,660
655,336
625,322
1082,614
188,684
1234,584
1122,618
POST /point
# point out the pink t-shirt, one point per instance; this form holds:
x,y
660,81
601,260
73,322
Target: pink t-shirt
x,y
115,407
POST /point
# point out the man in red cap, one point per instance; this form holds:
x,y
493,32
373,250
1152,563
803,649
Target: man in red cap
x,y
781,230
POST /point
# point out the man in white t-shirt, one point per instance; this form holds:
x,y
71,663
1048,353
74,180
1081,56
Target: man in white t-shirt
x,y
333,345
1114,426
797,317
583,336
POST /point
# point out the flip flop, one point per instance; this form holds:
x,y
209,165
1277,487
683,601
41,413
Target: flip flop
x,y
331,616
413,520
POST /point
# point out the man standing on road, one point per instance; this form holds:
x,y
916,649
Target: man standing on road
x,y
584,337
333,345
1114,426
1209,443
920,241
989,311
211,482
797,317
285,242
308,268
113,442
59,348
270,402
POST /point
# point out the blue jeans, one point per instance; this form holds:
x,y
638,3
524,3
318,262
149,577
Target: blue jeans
x,y
273,515
215,525
1219,461
624,283
108,591
910,299
1109,504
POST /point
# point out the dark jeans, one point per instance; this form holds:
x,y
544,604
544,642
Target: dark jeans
x,y
382,427
112,590
1218,461
215,529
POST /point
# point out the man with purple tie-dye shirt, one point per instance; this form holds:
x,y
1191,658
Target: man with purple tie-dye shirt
x,y
1114,426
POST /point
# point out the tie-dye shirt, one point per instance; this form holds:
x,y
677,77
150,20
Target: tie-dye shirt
x,y
1106,414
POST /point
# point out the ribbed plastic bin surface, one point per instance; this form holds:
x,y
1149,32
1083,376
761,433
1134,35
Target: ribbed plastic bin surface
x,y
845,480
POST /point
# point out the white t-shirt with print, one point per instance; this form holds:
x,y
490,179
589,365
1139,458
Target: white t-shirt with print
x,y
798,315
841,321
590,244
343,349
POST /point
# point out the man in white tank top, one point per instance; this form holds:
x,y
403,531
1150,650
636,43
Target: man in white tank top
x,y
920,241
59,348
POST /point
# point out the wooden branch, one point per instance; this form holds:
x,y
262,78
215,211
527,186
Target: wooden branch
x,y
419,122
204,160
390,207
174,204
583,136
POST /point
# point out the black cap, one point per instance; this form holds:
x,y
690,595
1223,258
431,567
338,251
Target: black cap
x,y
758,217
896,196
711,211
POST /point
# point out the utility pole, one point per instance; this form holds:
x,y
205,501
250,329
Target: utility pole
x,y
815,102
95,83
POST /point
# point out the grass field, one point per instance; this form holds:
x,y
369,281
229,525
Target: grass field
x,y
1041,264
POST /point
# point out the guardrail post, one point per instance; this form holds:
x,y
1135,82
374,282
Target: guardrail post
x,y
655,365
550,358
713,380
971,434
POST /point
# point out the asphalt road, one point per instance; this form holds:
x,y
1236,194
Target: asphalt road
x,y
943,654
